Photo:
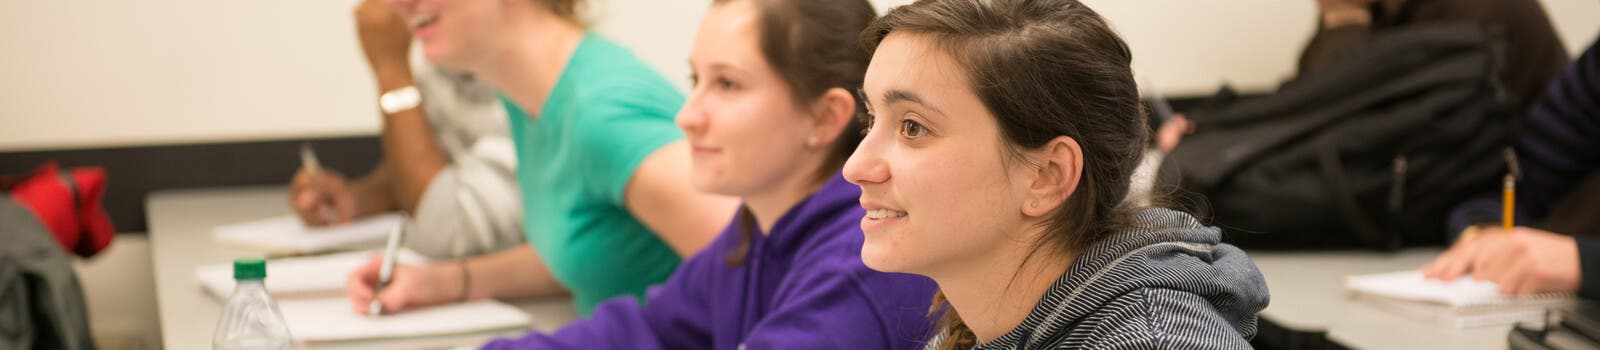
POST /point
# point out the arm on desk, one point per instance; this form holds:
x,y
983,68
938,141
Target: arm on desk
x,y
485,277
676,315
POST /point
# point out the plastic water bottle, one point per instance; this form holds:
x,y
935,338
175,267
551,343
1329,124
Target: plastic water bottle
x,y
251,319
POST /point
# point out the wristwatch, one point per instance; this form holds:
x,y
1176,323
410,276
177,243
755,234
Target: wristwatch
x,y
399,100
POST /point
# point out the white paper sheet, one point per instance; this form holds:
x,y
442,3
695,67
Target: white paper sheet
x,y
287,235
1463,292
322,275
334,319
1461,303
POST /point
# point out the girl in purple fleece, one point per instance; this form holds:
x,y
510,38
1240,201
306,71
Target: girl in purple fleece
x,y
771,120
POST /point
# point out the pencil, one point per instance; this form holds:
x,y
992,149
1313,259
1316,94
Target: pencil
x,y
308,160
1509,193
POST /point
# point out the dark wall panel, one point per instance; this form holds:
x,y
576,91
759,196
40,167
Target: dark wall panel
x,y
134,172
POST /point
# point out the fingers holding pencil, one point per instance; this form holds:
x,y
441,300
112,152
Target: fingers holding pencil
x,y
321,197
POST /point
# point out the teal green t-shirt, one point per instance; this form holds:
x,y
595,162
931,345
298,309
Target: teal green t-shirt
x,y
606,113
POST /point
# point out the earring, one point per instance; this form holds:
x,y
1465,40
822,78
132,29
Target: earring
x,y
811,141
1034,205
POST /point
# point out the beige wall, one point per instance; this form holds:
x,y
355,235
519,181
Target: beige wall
x,y
82,73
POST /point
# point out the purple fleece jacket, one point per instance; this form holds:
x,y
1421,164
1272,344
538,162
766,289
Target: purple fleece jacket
x,y
802,286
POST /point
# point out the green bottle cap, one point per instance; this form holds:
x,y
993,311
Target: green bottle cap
x,y
249,269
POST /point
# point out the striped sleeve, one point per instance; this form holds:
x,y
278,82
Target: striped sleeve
x,y
1558,144
1158,318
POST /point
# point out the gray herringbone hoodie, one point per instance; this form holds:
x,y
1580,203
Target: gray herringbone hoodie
x,y
1167,284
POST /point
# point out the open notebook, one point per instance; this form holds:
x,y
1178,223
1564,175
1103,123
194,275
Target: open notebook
x,y
308,276
333,319
1460,303
286,235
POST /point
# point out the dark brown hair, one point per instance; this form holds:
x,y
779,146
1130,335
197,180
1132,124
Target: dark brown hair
x,y
812,45
1044,69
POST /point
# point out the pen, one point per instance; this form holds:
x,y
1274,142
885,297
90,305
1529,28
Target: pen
x,y
386,272
308,160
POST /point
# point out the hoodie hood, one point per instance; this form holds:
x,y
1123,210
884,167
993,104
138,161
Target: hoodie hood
x,y
1165,249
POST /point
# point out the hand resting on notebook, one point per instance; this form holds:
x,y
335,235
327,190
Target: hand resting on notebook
x,y
1524,261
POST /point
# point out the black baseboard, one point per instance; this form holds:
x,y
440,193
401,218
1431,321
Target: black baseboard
x,y
134,172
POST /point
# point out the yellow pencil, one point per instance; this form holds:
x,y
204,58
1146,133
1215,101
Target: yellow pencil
x,y
1509,191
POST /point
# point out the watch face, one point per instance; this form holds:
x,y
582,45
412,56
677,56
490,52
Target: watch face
x,y
400,99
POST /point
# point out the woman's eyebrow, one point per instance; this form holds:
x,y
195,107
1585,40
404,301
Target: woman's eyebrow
x,y
893,96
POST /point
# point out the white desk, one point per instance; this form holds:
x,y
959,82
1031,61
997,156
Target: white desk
x,y
1308,295
180,240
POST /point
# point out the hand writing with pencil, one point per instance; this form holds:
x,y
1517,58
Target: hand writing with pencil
x,y
409,286
1522,261
322,197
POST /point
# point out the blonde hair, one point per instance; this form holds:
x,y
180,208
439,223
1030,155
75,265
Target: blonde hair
x,y
570,10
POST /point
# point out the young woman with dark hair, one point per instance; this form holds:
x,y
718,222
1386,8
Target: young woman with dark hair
x,y
1003,136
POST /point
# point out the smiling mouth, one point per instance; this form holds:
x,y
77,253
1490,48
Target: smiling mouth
x,y
703,150
418,23
879,214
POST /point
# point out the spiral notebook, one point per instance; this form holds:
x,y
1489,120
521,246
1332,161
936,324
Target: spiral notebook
x,y
1461,303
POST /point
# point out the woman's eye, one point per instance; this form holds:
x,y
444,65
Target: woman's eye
x,y
726,84
911,129
866,123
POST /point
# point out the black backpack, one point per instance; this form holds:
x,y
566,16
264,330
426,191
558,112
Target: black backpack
x,y
1373,151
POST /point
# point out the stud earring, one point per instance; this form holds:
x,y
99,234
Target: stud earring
x,y
811,141
1034,205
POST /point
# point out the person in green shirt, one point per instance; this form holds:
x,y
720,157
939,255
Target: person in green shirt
x,y
603,169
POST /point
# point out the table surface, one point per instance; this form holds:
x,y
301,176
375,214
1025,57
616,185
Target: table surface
x,y
1308,295
180,240
1307,287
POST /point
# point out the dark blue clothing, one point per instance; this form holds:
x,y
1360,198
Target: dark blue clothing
x,y
1558,147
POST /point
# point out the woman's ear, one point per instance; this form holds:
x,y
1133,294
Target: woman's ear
x,y
833,112
1060,168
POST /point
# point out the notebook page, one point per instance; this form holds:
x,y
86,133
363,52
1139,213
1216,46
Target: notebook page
x,y
1463,292
287,235
321,275
333,319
